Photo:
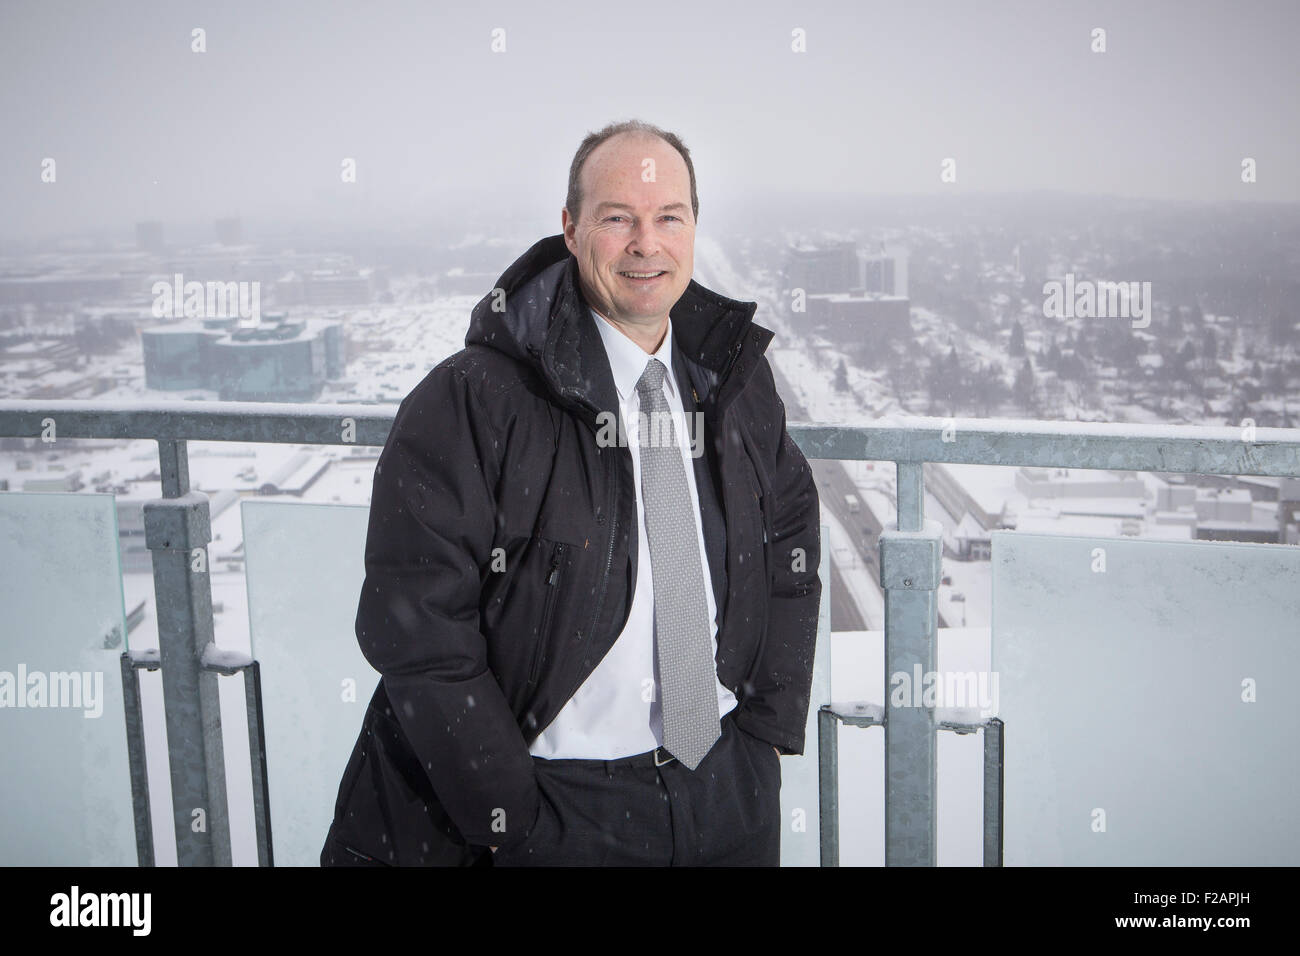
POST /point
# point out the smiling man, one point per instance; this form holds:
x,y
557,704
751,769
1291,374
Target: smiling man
x,y
593,652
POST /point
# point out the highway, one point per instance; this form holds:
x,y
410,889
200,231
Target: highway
x,y
833,483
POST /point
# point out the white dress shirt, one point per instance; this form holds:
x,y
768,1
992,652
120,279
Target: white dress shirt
x,y
616,712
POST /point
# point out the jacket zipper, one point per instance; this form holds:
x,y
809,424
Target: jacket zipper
x,y
552,582
767,552
611,489
613,528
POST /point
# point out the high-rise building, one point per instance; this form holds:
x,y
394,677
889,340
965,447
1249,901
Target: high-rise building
x,y
279,360
833,267
878,275
874,320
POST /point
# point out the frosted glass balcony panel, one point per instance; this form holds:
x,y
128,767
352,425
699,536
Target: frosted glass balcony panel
x,y
305,567
1148,693
65,782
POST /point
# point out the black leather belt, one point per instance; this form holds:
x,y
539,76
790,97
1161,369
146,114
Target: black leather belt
x,y
651,758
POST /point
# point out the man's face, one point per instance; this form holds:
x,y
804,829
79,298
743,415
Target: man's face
x,y
629,225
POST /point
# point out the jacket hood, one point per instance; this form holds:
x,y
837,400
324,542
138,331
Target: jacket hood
x,y
538,315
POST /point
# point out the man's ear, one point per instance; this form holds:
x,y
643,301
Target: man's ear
x,y
569,229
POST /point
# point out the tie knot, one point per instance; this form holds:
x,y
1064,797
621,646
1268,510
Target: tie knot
x,y
652,379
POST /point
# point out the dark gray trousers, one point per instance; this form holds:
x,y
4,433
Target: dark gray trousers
x,y
628,812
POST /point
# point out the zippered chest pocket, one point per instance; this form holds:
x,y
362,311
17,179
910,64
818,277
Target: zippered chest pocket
x,y
554,573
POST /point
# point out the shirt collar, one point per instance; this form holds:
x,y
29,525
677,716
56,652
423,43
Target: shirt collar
x,y
627,360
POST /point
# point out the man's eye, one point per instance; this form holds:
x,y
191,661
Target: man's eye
x,y
612,218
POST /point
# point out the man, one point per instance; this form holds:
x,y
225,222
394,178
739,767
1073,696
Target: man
x,y
595,631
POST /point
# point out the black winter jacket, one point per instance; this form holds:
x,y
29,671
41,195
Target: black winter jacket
x,y
501,553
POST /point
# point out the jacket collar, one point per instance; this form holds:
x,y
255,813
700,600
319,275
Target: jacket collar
x,y
537,314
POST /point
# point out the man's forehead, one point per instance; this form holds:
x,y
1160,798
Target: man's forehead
x,y
627,157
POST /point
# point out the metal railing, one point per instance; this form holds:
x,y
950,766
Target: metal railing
x,y
910,555
177,527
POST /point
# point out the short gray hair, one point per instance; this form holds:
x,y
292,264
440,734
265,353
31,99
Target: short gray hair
x,y
573,201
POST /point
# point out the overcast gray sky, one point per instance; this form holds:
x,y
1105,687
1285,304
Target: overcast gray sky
x,y
141,127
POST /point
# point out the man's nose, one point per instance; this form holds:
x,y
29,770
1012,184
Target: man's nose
x,y
644,241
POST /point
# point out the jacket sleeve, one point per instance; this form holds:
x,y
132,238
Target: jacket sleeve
x,y
432,515
776,709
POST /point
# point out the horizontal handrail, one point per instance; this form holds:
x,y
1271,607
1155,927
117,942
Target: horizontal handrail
x,y
1186,449
270,422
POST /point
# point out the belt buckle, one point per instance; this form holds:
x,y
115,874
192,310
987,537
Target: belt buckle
x,y
658,762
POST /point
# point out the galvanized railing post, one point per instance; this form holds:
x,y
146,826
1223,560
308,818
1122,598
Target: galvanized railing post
x,y
958,719
177,530
257,760
828,784
994,802
909,575
227,664
910,502
131,664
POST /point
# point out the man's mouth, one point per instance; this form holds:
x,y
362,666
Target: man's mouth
x,y
643,276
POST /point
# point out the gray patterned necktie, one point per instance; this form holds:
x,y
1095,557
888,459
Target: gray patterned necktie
x,y
687,672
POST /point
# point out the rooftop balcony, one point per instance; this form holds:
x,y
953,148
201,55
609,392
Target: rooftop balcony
x,y
1137,685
